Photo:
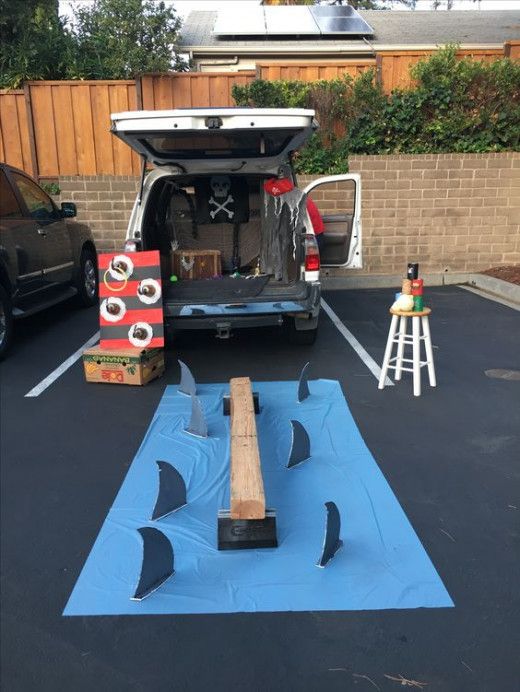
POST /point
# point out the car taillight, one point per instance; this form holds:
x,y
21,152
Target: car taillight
x,y
312,254
132,246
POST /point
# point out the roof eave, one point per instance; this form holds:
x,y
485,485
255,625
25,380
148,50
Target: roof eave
x,y
358,48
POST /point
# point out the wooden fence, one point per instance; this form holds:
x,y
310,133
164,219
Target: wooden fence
x,y
189,89
310,72
512,50
71,124
63,128
394,67
14,131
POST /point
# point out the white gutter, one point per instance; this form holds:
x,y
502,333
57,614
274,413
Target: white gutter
x,y
295,49
215,62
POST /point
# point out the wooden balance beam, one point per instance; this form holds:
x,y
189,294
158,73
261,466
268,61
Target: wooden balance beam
x,y
247,524
247,485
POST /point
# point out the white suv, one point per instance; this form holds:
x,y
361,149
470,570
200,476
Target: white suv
x,y
209,190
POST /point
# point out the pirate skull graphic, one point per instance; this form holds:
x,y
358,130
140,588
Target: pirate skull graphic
x,y
221,186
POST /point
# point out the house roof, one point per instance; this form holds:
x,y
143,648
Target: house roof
x,y
391,29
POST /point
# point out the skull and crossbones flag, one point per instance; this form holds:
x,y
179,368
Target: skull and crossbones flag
x,y
222,199
130,295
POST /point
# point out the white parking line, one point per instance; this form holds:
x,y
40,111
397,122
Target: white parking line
x,y
347,334
42,386
490,296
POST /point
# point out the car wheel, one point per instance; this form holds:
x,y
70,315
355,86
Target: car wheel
x,y
300,337
6,322
87,283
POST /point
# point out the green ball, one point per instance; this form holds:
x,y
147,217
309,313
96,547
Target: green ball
x,y
173,278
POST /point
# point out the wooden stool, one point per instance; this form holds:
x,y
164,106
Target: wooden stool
x,y
401,338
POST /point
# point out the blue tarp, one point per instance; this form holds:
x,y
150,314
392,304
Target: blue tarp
x,y
382,564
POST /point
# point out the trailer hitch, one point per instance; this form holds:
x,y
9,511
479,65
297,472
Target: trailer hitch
x,y
223,330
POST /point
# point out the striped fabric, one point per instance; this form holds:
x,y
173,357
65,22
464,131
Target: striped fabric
x,y
130,294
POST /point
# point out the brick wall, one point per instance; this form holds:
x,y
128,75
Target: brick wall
x,y
451,212
104,202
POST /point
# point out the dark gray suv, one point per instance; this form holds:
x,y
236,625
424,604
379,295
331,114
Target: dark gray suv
x,y
44,257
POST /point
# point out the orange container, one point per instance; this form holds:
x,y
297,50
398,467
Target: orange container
x,y
407,287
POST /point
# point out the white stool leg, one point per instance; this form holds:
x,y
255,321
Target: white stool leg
x,y
416,356
400,347
388,351
429,350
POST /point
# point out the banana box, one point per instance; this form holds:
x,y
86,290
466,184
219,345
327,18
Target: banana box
x,y
123,366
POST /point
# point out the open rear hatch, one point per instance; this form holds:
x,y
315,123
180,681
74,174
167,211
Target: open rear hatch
x,y
206,196
216,139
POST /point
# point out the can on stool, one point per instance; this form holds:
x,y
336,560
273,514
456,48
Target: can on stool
x,y
418,304
413,270
407,287
417,287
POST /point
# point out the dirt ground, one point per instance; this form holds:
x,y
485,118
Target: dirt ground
x,y
511,274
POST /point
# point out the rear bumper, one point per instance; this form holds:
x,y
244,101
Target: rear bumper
x,y
257,313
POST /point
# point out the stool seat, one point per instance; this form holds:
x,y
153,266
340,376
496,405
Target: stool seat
x,y
402,339
410,313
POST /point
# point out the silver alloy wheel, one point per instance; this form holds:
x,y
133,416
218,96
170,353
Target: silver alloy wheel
x,y
90,279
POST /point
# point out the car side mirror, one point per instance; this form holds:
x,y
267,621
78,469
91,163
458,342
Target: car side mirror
x,y
68,210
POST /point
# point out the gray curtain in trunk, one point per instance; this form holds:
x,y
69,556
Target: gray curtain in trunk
x,y
282,224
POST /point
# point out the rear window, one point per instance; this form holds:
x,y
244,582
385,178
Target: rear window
x,y
236,144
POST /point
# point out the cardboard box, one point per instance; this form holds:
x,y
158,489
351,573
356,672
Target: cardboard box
x,y
123,366
196,264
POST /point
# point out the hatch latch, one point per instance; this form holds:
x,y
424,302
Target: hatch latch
x,y
213,123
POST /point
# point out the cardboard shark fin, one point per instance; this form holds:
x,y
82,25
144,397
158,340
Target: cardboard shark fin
x,y
157,564
172,491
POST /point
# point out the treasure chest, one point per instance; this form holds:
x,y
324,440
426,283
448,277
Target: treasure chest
x,y
196,264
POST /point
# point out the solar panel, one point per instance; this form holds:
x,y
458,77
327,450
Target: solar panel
x,y
333,11
340,20
311,22
342,25
295,21
241,21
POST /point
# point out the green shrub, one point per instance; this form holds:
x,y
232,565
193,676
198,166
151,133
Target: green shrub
x,y
472,106
107,39
51,188
329,98
456,105
314,158
262,93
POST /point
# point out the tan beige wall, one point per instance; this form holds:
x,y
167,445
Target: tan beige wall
x,y
450,212
104,202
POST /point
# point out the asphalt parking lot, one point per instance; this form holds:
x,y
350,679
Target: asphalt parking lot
x,y
450,456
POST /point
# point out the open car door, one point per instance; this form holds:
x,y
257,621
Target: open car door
x,y
338,198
